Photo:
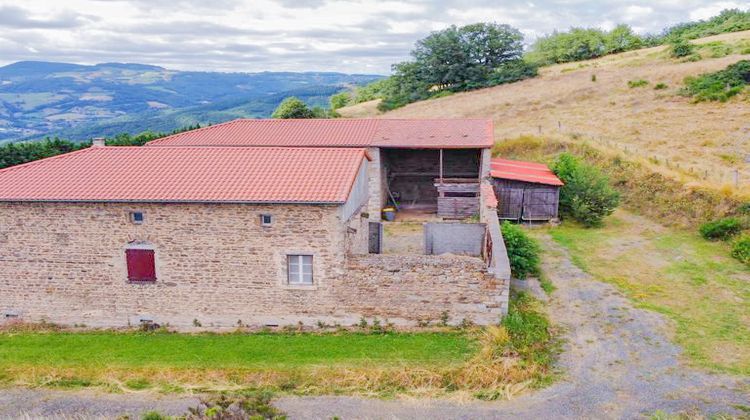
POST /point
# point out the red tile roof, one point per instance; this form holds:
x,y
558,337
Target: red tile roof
x,y
523,171
396,133
187,174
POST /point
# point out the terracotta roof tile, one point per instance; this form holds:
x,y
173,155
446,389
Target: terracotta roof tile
x,y
187,174
517,170
396,133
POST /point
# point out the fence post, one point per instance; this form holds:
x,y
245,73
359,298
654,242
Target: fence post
x,y
736,178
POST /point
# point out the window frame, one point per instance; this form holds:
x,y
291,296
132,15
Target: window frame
x,y
300,272
133,220
152,253
263,221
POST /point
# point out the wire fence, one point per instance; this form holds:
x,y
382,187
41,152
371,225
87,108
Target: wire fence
x,y
732,175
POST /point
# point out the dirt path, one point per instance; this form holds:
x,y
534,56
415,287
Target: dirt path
x,y
618,363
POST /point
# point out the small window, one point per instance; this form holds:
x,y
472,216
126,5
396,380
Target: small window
x,y
136,217
266,220
141,266
300,269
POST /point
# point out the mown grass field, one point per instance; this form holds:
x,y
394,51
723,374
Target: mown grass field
x,y
694,282
221,351
488,363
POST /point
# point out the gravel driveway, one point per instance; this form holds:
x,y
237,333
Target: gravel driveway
x,y
617,363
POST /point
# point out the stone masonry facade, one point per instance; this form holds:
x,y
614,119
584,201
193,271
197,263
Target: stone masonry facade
x,y
215,263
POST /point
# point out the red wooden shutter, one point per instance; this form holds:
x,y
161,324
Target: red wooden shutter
x,y
141,264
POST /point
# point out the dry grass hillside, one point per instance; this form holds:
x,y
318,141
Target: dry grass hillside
x,y
698,143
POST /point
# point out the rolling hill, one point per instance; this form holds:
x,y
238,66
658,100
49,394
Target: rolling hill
x,y
81,101
592,101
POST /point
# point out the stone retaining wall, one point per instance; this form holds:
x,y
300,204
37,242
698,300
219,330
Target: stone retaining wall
x,y
406,288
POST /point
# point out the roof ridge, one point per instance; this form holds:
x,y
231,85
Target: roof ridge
x,y
193,131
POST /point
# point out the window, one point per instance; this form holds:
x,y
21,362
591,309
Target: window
x,y
136,217
141,267
299,269
266,220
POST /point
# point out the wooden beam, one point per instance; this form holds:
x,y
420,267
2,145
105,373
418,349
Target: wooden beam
x,y
441,166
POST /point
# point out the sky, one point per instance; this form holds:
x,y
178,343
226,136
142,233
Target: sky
x,y
362,36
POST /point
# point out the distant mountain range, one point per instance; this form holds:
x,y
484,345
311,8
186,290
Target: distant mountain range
x,y
77,102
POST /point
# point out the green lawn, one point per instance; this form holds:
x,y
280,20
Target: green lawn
x,y
692,281
221,351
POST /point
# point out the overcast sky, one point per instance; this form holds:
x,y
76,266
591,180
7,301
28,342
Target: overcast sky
x,y
364,36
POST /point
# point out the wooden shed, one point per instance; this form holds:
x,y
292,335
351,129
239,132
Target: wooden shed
x,y
526,191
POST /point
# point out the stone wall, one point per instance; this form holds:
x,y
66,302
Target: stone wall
x,y
216,264
404,288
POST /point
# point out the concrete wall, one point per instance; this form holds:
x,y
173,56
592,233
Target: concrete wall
x,y
215,263
454,238
376,186
359,194
497,255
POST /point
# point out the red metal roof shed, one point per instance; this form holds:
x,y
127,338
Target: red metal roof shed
x,y
517,170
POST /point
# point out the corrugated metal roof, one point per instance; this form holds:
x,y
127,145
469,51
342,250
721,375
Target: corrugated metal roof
x,y
396,133
517,170
187,174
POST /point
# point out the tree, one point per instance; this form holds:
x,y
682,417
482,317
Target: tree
x,y
466,55
340,100
292,107
622,38
586,195
454,59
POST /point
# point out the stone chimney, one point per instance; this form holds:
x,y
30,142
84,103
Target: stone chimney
x,y
97,142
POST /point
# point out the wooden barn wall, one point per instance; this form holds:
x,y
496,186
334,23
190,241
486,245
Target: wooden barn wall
x,y
511,194
412,173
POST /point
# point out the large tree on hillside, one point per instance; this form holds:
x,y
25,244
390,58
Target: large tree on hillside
x,y
466,55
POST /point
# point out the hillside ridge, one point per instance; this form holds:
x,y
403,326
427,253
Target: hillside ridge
x,y
591,101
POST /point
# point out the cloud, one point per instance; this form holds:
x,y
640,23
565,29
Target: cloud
x,y
16,17
363,36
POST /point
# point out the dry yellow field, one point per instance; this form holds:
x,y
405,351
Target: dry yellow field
x,y
701,143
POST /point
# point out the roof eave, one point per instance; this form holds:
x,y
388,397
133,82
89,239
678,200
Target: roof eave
x,y
153,201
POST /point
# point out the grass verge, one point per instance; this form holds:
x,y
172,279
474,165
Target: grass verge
x,y
677,273
490,363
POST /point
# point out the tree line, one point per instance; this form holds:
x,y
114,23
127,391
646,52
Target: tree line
x,y
12,154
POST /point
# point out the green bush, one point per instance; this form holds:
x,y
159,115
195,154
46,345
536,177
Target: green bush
x,y
721,229
660,86
720,85
586,195
529,330
681,48
523,252
637,83
741,249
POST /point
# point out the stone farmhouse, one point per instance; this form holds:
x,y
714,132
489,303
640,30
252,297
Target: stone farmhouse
x,y
258,223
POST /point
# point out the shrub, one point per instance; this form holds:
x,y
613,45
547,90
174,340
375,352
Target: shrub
x,y
528,330
720,85
586,195
681,48
523,252
637,83
721,229
660,86
744,208
741,249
